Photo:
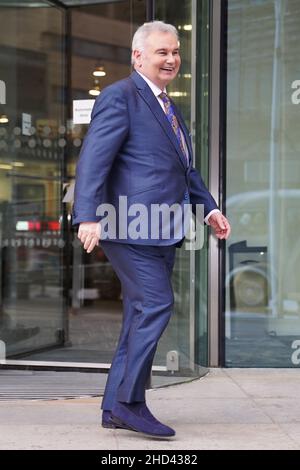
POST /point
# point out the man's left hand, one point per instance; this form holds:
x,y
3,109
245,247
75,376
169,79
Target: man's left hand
x,y
220,225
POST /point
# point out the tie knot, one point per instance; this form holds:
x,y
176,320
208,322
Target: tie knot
x,y
164,97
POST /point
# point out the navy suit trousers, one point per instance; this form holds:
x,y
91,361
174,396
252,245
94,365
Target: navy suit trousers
x,y
145,274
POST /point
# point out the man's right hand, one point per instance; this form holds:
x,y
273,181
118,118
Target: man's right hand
x,y
89,234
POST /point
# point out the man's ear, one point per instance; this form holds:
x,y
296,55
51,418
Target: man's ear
x,y
137,57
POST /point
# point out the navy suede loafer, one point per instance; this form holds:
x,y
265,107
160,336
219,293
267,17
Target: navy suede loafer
x,y
137,417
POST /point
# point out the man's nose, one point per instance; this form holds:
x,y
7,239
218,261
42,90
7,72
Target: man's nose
x,y
170,59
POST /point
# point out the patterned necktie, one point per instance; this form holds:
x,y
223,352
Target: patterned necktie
x,y
174,122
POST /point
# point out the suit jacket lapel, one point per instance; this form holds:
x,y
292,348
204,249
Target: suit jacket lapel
x,y
148,96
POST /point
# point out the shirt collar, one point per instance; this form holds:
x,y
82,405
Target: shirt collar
x,y
155,89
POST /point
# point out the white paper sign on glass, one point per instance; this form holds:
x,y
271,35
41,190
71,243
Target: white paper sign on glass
x,y
26,124
82,111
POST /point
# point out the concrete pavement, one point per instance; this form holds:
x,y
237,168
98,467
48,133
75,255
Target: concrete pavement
x,y
227,409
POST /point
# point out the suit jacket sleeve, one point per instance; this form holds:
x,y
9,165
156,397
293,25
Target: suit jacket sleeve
x,y
199,193
107,131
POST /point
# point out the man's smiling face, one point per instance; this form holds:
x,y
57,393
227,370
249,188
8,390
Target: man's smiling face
x,y
160,59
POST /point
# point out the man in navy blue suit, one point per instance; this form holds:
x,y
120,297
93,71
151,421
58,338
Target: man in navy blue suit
x,y
136,156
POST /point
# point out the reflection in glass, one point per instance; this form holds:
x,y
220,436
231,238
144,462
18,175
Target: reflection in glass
x,y
263,180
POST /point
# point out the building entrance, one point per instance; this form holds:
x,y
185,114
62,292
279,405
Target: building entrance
x,y
59,306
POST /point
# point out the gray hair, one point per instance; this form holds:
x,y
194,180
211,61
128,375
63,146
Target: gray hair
x,y
142,33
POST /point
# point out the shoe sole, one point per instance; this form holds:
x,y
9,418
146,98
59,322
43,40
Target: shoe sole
x,y
109,426
116,426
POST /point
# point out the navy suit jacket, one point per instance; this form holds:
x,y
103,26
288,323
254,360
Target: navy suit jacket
x,y
131,150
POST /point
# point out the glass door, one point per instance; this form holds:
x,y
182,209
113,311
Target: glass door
x,y
185,339
99,38
32,142
58,304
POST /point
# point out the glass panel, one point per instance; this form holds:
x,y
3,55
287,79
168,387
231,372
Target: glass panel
x,y
31,170
188,322
95,313
263,180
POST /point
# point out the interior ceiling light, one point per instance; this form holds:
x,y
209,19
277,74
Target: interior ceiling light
x,y
99,71
3,119
5,166
18,164
95,91
178,94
